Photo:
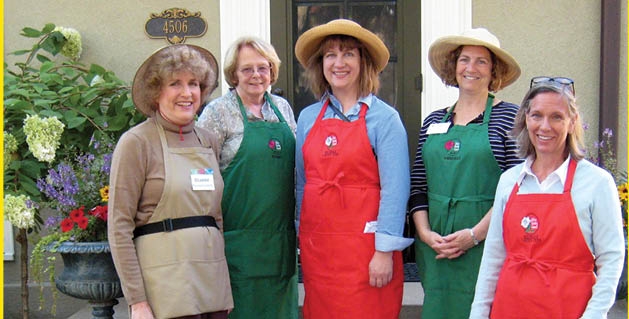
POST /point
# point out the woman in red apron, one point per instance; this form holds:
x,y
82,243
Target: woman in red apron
x,y
165,199
352,178
555,245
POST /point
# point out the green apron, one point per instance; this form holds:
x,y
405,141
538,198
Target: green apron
x,y
259,213
462,175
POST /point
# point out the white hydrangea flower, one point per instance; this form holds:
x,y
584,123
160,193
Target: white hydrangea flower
x,y
73,47
43,136
18,211
10,146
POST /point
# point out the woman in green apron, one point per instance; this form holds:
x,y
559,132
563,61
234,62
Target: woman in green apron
x,y
257,133
462,151
165,196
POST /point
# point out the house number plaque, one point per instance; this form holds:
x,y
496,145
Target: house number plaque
x,y
175,25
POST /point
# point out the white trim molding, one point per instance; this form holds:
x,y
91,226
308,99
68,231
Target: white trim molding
x,y
243,18
440,18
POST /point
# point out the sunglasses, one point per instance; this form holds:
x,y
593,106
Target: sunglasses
x,y
555,81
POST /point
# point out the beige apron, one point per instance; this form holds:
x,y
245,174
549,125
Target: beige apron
x,y
185,271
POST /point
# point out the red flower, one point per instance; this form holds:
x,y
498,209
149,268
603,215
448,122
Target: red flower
x,y
77,214
100,212
449,145
67,225
82,222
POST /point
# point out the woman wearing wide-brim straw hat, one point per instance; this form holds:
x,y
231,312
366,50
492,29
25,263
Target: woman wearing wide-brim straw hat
x,y
165,219
461,153
352,178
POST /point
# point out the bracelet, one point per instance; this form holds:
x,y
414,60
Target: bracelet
x,y
476,242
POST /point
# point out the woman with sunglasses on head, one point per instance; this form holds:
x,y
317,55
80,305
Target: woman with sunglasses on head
x,y
555,245
462,151
257,133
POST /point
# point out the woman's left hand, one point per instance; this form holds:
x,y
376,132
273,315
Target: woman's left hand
x,y
455,244
381,269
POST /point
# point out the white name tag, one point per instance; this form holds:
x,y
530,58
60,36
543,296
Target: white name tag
x,y
438,128
371,227
202,179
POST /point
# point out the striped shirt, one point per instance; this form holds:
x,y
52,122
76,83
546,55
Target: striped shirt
x,y
502,145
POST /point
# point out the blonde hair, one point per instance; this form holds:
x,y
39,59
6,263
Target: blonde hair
x,y
368,79
263,48
574,140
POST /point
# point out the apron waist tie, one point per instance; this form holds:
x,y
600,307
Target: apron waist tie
x,y
168,225
541,267
334,183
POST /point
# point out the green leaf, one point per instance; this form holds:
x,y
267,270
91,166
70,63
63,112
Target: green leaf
x,y
74,122
48,28
42,58
31,33
95,68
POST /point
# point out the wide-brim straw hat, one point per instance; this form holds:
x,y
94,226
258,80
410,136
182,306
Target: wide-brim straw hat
x,y
440,50
309,42
140,85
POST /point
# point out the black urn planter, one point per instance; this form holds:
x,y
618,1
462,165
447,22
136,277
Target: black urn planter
x,y
89,273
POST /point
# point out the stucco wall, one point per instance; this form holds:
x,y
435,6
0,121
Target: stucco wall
x,y
557,38
112,31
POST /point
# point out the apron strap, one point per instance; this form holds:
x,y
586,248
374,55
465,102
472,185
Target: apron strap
x,y
486,114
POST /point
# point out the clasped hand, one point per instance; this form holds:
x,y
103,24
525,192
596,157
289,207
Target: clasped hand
x,y
451,246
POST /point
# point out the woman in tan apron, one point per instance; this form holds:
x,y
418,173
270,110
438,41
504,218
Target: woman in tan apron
x,y
555,244
165,201
462,151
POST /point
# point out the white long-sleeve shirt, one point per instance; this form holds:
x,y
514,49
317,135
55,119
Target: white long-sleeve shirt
x,y
597,205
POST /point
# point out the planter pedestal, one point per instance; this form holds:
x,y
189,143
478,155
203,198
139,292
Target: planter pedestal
x,y
89,273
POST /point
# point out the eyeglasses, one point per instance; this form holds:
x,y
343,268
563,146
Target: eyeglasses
x,y
262,70
555,81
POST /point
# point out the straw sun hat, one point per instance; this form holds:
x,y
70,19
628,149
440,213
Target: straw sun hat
x,y
309,42
441,48
138,92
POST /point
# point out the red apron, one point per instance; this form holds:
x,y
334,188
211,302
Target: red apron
x,y
549,270
341,194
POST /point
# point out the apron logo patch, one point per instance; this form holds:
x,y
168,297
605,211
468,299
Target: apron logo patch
x,y
276,147
452,148
331,141
530,224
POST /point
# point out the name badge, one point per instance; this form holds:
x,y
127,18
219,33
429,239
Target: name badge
x,y
202,179
371,227
438,128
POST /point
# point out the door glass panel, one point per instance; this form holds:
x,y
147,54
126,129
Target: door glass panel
x,y
380,17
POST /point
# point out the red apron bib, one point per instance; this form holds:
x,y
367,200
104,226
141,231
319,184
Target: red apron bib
x,y
549,270
341,194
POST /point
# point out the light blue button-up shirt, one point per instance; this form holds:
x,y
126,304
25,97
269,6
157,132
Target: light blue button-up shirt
x,y
387,137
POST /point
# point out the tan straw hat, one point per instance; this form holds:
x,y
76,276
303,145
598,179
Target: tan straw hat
x,y
139,91
308,43
441,48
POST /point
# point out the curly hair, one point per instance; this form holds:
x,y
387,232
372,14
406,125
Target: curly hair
x,y
174,59
368,79
498,70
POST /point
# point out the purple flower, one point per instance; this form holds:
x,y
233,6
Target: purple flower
x,y
608,132
586,126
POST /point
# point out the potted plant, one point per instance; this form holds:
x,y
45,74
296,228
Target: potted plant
x,y
59,115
